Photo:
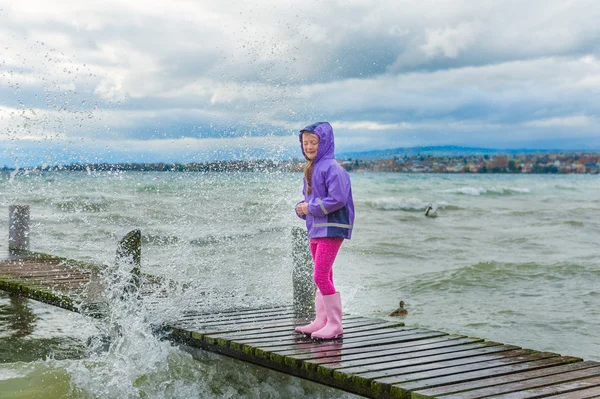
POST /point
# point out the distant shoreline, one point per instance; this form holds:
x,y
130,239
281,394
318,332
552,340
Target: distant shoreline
x,y
537,163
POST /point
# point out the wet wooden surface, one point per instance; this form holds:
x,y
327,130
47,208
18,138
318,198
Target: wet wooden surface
x,y
375,358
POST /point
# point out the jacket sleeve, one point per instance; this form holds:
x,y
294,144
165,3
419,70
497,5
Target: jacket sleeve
x,y
338,190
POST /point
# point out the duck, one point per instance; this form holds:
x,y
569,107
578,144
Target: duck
x,y
430,211
400,311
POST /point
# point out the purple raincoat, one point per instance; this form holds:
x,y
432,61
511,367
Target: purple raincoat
x,y
330,205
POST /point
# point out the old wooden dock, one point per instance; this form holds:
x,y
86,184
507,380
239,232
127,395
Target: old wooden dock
x,y
375,358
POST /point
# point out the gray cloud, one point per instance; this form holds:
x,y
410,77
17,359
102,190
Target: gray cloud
x,y
389,73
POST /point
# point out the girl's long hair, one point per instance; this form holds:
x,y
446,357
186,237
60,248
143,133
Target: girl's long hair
x,y
308,168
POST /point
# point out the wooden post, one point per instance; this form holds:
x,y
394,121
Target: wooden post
x,y
129,250
302,275
18,236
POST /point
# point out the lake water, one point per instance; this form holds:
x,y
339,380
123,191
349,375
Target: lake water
x,y
509,258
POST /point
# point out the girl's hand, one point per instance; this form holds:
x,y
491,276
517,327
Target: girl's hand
x,y
302,208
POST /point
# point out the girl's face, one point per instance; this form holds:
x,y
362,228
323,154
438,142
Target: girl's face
x,y
310,145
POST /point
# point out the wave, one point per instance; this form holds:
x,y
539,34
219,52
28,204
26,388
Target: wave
x,y
494,275
408,204
476,191
83,204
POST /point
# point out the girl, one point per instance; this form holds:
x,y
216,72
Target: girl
x,y
329,213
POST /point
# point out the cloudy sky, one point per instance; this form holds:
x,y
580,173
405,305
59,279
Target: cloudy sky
x,y
190,81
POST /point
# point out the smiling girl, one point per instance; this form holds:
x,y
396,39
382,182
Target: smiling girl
x,y
329,213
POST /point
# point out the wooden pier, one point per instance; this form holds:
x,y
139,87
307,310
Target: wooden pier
x,y
375,358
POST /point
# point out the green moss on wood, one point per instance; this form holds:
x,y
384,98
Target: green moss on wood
x,y
400,393
274,357
295,363
196,335
248,350
177,332
236,345
354,379
39,293
571,359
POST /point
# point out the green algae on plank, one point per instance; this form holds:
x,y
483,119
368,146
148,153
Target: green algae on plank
x,y
178,332
39,293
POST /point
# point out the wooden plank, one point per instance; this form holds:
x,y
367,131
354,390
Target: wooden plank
x,y
266,329
350,326
216,325
240,313
294,338
504,379
348,350
326,347
465,377
511,389
332,346
289,333
236,311
348,355
388,336
586,393
408,356
475,354
563,388
349,335
198,333
212,330
380,378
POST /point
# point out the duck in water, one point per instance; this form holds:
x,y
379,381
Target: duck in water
x,y
400,311
430,211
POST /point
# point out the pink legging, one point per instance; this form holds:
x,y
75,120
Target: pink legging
x,y
324,251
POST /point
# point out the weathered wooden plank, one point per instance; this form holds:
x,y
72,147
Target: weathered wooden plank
x,y
504,379
361,349
333,346
565,387
349,335
212,331
477,375
215,325
238,314
379,378
586,393
350,355
292,336
512,389
476,355
353,326
281,329
199,333
258,309
387,336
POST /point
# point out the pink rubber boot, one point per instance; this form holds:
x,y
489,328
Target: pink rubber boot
x,y
320,317
333,310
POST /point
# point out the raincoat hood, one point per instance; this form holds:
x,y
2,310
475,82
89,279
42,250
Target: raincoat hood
x,y
326,147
